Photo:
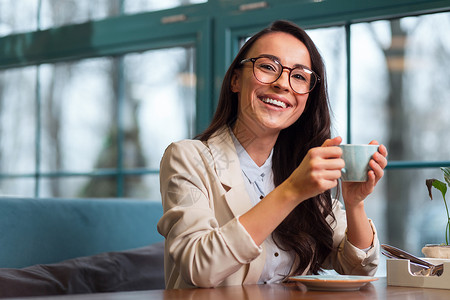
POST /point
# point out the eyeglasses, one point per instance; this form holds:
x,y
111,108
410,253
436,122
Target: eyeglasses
x,y
267,70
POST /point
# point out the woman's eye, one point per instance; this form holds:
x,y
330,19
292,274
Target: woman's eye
x,y
299,76
267,67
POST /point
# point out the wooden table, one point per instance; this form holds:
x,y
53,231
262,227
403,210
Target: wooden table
x,y
374,290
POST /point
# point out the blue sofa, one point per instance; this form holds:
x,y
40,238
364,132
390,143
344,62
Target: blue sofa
x,y
69,246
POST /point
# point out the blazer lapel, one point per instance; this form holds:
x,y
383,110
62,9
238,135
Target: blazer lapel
x,y
228,169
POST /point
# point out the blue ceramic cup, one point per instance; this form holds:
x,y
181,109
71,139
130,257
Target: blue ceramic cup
x,y
356,158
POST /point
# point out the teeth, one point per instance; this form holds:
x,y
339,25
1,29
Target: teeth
x,y
274,102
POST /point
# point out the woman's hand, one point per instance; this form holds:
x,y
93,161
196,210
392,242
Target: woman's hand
x,y
319,171
355,192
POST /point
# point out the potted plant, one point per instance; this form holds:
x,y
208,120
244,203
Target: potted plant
x,y
442,250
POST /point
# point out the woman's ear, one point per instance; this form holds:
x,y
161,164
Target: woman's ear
x,y
235,81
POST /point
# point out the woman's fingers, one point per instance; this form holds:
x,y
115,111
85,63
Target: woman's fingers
x,y
332,175
319,170
379,161
332,142
377,170
381,154
325,163
325,153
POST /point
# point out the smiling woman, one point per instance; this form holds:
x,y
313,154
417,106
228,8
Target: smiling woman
x,y
256,185
271,84
92,92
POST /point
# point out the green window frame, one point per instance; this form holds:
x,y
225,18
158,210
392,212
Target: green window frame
x,y
110,37
215,29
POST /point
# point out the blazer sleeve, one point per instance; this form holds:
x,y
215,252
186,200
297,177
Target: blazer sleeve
x,y
345,258
203,252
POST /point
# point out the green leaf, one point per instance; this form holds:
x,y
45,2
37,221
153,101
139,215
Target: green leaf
x,y
440,186
446,171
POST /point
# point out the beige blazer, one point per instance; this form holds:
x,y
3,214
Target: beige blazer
x,y
203,194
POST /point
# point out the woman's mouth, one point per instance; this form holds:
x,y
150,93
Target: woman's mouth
x,y
274,102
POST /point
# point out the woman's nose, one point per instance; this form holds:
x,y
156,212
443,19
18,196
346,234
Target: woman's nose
x,y
283,81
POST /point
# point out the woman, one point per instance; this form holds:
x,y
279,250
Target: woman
x,y
249,201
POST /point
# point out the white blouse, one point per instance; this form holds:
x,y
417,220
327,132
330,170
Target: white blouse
x,y
259,182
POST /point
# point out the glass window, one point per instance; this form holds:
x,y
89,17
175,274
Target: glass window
x,y
78,187
56,13
401,97
79,113
80,118
142,187
412,220
18,16
160,103
370,82
17,120
17,187
136,6
399,84
331,45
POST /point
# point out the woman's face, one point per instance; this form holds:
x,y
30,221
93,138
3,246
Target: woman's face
x,y
257,110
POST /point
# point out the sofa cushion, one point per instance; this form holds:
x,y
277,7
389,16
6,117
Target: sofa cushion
x,y
45,231
129,270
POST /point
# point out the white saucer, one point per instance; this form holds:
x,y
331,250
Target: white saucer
x,y
333,282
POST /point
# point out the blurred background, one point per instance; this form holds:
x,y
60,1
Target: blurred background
x,y
93,91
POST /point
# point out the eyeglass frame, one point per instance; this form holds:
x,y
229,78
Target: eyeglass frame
x,y
253,60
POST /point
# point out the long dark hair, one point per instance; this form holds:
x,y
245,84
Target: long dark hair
x,y
306,230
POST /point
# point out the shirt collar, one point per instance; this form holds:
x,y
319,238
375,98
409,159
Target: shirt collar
x,y
250,169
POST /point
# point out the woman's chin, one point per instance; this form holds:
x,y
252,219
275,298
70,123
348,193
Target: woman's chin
x,y
276,123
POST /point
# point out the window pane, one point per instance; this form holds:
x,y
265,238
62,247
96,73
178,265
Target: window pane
x,y
160,99
79,115
143,187
18,16
17,187
400,87
78,187
17,120
331,45
56,13
401,97
370,83
136,6
413,220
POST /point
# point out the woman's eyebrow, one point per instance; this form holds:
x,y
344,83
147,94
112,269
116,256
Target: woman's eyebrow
x,y
270,56
274,57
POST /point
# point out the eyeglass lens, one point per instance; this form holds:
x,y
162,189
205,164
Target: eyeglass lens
x,y
267,70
